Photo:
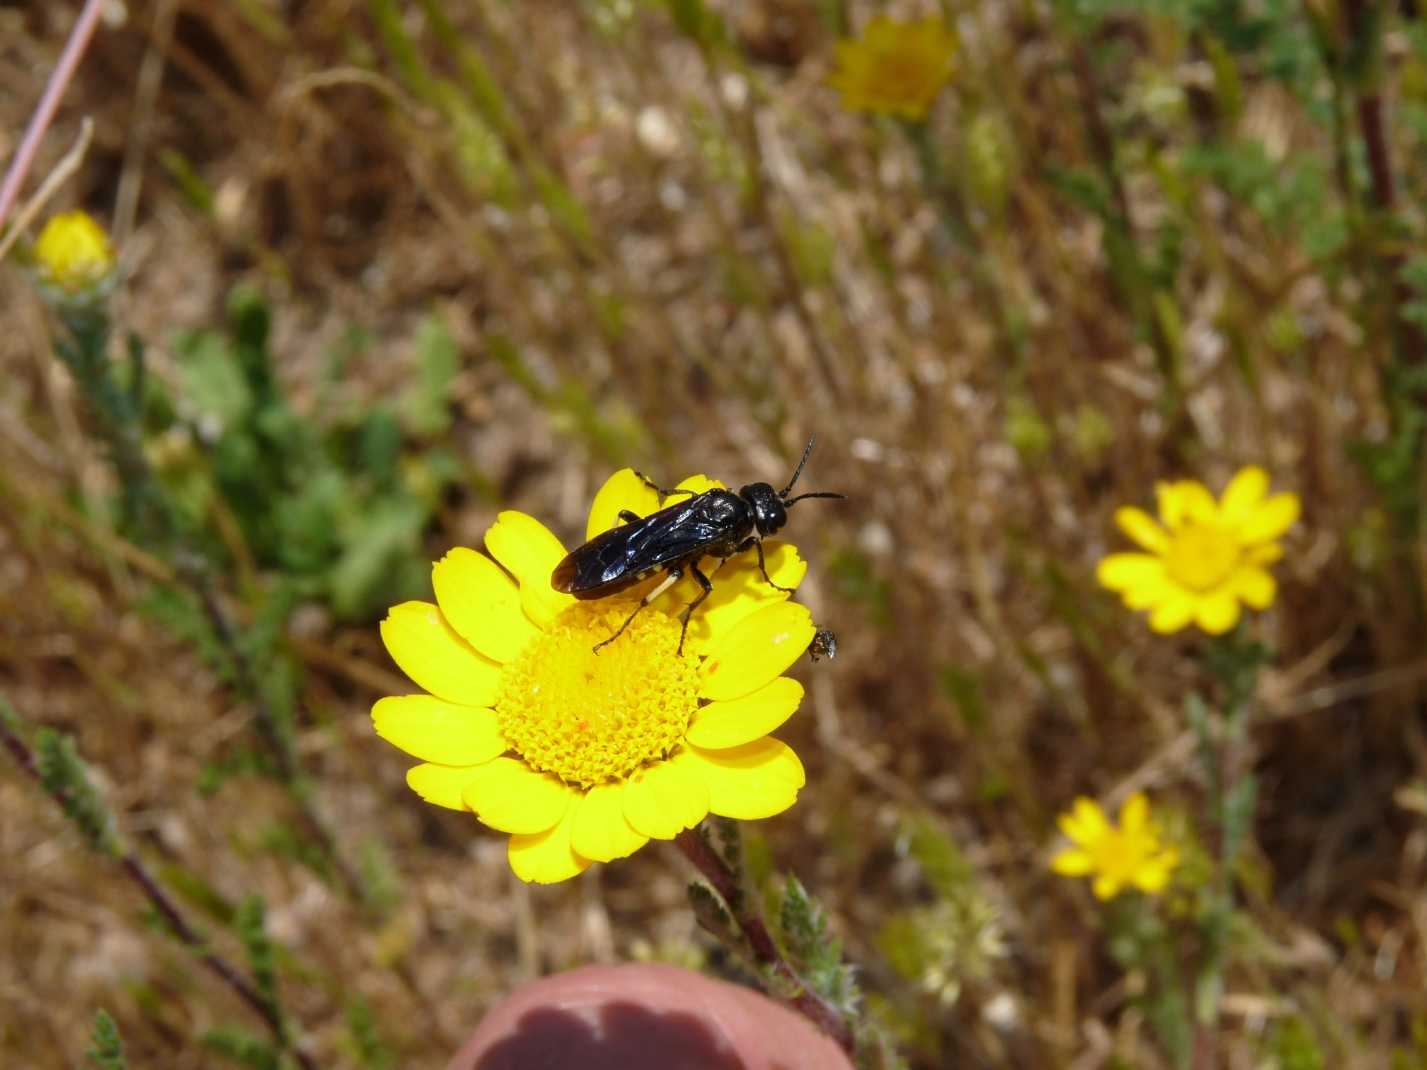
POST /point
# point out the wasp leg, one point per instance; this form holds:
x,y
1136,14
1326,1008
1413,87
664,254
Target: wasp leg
x,y
664,493
670,578
755,543
628,516
689,609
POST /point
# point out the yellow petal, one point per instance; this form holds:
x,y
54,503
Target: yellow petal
x,y
1072,862
437,731
1170,504
757,780
1173,614
1134,813
546,857
481,603
1106,887
1151,879
529,551
509,796
739,590
1086,823
1141,527
664,799
1218,612
601,832
623,490
1265,553
1152,876
756,651
1125,572
429,651
742,720
1192,504
1150,594
1196,503
1243,494
1255,586
442,785
1271,519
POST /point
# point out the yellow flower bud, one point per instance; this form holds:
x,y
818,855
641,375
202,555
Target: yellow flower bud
x,y
73,252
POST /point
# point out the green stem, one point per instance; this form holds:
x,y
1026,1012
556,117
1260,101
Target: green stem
x,y
132,866
1235,664
759,940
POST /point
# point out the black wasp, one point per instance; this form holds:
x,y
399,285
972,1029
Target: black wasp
x,y
716,523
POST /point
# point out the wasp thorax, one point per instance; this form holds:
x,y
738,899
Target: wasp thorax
x,y
768,512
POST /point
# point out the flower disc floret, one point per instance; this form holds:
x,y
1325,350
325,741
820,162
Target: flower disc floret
x,y
591,717
1202,557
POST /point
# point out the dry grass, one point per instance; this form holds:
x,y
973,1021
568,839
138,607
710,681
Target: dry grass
x,y
355,188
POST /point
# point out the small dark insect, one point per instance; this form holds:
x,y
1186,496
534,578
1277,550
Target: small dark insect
x,y
716,523
824,645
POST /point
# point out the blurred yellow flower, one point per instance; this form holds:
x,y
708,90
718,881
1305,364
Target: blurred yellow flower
x,y
894,68
73,252
585,757
1207,557
1132,855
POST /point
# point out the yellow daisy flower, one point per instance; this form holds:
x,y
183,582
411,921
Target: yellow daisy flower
x,y
73,252
580,756
1207,556
1132,855
894,68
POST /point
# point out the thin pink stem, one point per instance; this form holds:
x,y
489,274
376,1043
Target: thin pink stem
x,y
49,103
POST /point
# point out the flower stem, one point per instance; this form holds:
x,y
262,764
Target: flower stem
x,y
760,941
49,102
1235,663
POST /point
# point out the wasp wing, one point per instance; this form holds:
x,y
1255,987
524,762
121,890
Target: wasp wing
x,y
623,556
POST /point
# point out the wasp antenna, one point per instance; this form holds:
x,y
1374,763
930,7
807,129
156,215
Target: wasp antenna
x,y
799,470
815,494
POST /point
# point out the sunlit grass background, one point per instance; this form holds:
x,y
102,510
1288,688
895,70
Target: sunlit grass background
x,y
399,265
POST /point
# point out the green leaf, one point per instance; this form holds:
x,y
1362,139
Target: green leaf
x,y
804,926
243,1047
426,406
1295,1047
963,688
194,188
375,547
211,377
65,778
251,324
108,1049
250,923
696,21
364,1037
943,863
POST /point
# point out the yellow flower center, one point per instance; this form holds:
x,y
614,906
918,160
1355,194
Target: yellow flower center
x,y
594,717
1119,855
1201,557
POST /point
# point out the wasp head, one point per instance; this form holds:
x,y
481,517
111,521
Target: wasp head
x,y
769,513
